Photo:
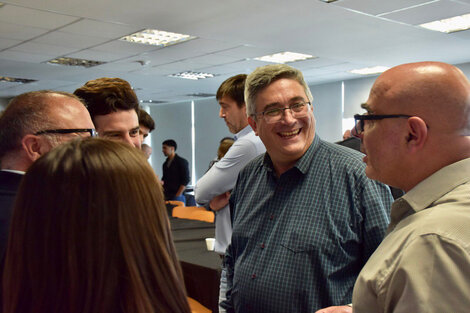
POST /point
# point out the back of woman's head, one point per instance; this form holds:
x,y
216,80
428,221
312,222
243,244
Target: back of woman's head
x,y
89,233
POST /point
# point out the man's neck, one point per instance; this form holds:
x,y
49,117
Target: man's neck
x,y
171,156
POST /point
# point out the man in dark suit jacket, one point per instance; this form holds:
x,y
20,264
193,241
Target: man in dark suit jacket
x,y
31,125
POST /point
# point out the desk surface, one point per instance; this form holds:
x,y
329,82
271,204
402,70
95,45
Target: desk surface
x,y
201,268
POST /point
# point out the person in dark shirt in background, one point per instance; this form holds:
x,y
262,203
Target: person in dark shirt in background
x,y
175,172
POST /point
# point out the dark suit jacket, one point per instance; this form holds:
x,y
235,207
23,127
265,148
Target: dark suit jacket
x,y
9,183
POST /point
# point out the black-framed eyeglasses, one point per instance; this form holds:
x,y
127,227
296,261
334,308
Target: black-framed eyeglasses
x,y
91,131
360,119
298,110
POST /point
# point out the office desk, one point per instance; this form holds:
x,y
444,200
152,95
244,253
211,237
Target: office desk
x,y
201,268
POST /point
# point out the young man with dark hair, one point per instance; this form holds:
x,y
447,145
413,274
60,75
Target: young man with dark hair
x,y
113,106
146,124
175,172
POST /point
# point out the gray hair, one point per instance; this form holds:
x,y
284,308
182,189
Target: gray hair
x,y
263,76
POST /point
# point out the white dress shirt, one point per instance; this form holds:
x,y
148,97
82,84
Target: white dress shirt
x,y
222,177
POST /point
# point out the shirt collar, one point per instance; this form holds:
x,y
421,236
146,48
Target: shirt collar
x,y
302,164
14,171
438,184
429,190
245,131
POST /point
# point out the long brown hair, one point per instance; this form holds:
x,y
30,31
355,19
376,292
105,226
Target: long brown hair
x,y
90,233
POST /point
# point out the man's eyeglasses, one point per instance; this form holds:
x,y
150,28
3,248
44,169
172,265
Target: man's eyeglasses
x,y
360,119
91,131
298,110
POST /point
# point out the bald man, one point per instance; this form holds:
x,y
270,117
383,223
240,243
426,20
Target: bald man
x,y
31,125
416,137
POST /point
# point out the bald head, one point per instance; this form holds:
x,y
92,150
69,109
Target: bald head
x,y
437,92
432,131
37,111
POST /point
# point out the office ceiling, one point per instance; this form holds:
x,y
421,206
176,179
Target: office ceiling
x,y
343,35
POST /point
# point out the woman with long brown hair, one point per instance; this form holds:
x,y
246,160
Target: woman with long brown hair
x,y
90,233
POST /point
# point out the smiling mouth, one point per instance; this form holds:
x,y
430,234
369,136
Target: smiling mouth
x,y
290,134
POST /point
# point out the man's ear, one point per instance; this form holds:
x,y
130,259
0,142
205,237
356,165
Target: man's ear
x,y
417,133
32,146
252,123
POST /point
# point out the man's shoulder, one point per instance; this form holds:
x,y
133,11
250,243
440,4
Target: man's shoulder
x,y
180,158
250,139
9,181
340,155
253,165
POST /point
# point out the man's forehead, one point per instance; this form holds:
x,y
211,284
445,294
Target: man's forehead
x,y
287,89
227,100
117,121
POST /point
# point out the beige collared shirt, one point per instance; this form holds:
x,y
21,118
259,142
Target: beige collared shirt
x,y
423,264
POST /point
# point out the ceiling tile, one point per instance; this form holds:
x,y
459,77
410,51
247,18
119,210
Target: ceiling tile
x,y
100,29
429,12
34,18
6,43
375,7
24,56
19,32
41,48
75,41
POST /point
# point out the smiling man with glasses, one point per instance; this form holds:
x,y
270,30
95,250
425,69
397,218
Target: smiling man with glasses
x,y
31,125
305,217
416,136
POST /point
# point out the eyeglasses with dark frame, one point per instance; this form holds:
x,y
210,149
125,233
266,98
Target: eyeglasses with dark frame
x,y
359,120
91,131
299,109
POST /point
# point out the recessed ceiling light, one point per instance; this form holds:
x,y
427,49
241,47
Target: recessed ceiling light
x,y
157,37
370,70
285,57
74,62
192,75
16,80
201,95
152,101
449,25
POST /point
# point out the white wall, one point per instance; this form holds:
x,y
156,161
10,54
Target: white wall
x,y
173,121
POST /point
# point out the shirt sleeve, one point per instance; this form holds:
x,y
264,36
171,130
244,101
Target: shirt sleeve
x,y
229,264
376,204
431,275
222,176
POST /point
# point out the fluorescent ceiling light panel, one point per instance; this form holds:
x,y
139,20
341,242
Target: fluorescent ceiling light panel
x,y
449,25
16,80
192,75
74,62
285,57
370,70
157,38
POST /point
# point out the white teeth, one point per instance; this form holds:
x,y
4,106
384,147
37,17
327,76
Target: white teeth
x,y
295,132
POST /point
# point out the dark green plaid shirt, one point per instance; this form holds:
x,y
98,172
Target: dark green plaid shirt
x,y
300,241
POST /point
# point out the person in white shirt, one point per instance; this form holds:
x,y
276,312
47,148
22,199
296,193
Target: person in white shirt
x,y
215,186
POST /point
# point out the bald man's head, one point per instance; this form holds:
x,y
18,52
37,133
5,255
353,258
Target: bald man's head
x,y
432,100
437,92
